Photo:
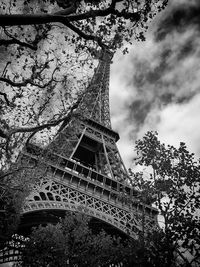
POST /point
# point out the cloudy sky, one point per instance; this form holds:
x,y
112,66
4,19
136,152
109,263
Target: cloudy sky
x,y
157,85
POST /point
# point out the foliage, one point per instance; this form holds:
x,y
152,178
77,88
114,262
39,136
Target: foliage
x,y
15,185
47,60
10,202
71,243
47,57
103,23
174,185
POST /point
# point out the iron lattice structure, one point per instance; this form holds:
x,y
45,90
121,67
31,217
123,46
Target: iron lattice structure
x,y
89,131
83,170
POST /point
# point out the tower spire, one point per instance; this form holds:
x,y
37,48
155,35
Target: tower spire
x,y
95,102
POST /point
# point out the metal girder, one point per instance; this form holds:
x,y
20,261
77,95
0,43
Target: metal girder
x,y
95,102
54,194
83,170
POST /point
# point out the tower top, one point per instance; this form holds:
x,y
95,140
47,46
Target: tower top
x,y
95,101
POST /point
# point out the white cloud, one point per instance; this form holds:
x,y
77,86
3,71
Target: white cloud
x,y
176,120
180,123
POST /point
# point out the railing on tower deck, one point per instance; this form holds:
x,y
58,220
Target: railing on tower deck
x,y
61,165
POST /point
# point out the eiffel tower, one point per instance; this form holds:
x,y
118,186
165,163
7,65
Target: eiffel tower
x,y
83,170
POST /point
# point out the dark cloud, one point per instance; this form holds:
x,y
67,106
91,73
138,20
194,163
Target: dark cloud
x,y
186,49
148,79
153,90
163,81
140,108
166,97
164,71
144,75
147,82
185,98
179,18
139,76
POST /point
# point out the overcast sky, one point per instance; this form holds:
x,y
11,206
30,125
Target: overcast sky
x,y
157,85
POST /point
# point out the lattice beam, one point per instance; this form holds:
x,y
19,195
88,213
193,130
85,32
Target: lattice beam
x,y
83,170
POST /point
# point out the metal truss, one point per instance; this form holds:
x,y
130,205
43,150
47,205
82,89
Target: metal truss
x,y
94,107
90,134
56,195
95,102
66,140
68,185
108,159
83,170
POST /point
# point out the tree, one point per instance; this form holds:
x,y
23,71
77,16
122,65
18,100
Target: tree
x,y
174,185
47,60
71,243
15,186
42,44
106,23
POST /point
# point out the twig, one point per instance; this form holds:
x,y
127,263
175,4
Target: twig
x,y
5,97
15,41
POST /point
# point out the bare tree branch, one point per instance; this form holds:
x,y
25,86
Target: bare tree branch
x,y
85,36
62,16
24,19
31,19
105,12
3,134
24,83
6,98
38,128
16,170
7,135
4,42
5,69
66,16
